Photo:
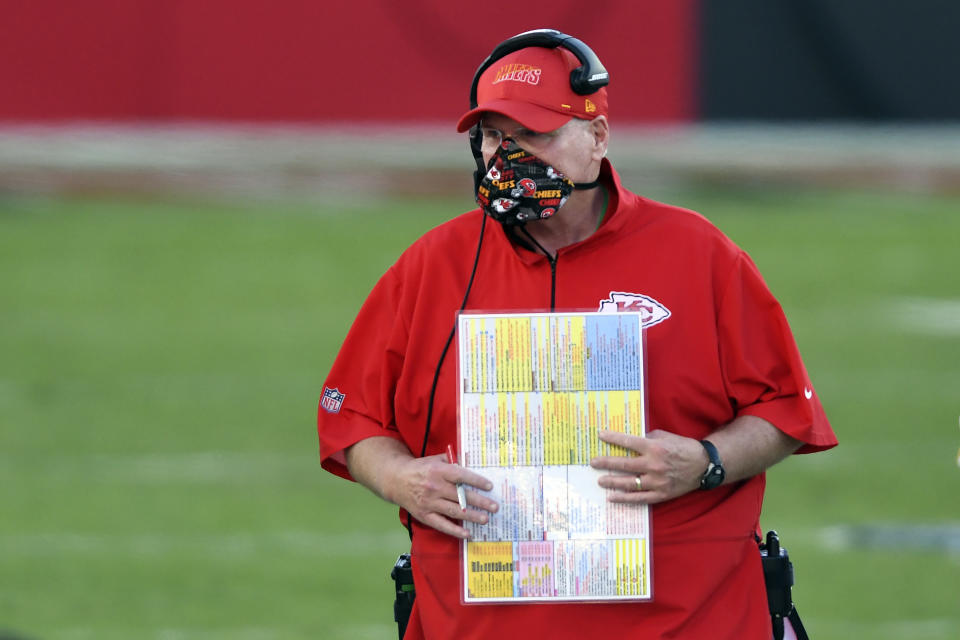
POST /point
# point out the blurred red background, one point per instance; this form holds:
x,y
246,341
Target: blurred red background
x,y
304,60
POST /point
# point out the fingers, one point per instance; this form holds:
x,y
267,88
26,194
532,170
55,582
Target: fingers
x,y
444,513
635,443
443,525
624,488
636,497
624,464
430,495
621,482
456,474
655,460
482,502
446,516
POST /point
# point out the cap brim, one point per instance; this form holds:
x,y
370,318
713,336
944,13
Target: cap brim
x,y
531,116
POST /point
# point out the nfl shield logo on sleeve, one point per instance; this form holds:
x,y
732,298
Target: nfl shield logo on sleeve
x,y
331,400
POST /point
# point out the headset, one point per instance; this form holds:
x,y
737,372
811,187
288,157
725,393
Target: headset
x,y
589,77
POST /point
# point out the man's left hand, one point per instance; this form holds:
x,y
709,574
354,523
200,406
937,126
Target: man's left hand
x,y
668,466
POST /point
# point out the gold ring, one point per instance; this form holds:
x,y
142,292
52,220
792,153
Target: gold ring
x,y
639,486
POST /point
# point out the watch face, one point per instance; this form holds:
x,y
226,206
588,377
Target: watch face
x,y
713,477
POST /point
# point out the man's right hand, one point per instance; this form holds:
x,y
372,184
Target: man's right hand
x,y
424,487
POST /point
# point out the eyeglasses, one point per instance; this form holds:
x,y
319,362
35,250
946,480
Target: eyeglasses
x,y
530,141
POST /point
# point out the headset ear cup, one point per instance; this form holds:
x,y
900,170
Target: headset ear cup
x,y
591,75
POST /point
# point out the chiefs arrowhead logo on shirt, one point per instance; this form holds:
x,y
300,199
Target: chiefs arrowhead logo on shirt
x,y
651,311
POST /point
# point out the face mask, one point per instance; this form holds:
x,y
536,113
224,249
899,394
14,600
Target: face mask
x,y
519,187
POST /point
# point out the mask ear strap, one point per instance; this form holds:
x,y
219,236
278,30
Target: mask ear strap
x,y
584,186
476,142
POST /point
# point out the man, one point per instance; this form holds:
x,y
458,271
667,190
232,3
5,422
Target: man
x,y
728,395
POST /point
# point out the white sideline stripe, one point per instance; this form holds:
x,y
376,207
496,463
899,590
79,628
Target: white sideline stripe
x,y
932,316
894,537
224,545
354,632
240,633
939,538
243,633
920,629
852,457
172,468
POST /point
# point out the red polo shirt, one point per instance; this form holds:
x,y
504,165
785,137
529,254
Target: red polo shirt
x,y
718,347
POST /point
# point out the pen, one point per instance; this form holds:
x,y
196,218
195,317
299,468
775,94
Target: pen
x,y
461,491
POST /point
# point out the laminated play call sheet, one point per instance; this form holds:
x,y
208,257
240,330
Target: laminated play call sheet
x,y
534,391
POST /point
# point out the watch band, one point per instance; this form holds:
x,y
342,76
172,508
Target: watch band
x,y
715,473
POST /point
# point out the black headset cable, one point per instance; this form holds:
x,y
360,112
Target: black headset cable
x,y
443,354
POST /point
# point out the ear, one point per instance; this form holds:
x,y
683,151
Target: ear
x,y
600,131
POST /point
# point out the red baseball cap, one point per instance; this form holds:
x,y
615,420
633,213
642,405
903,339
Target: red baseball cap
x,y
532,86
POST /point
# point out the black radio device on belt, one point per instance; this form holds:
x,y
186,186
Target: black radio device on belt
x,y
778,576
402,575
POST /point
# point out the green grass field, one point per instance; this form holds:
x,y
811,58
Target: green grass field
x,y
160,365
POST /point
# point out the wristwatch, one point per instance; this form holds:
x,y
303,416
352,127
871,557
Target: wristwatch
x,y
713,476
